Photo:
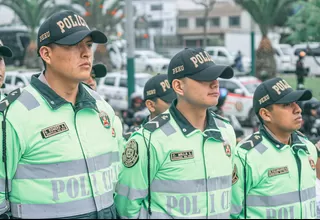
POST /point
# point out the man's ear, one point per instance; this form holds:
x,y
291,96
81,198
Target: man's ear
x,y
150,105
178,86
265,114
45,53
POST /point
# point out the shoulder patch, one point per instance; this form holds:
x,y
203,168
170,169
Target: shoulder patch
x,y
157,122
220,117
252,141
130,156
12,96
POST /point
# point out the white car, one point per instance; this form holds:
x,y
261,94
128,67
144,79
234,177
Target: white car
x,y
283,53
222,56
16,79
150,61
114,88
239,98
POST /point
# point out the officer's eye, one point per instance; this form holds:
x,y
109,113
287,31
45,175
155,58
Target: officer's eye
x,y
89,45
1,58
287,104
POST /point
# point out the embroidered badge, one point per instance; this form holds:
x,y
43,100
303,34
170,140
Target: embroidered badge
x,y
278,171
104,119
311,162
182,155
54,130
227,149
235,177
131,155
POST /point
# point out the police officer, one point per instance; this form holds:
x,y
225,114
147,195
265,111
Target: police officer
x,y
61,154
158,95
99,70
4,52
274,169
179,164
300,70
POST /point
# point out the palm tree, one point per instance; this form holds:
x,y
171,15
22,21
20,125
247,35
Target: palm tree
x,y
31,13
103,15
266,15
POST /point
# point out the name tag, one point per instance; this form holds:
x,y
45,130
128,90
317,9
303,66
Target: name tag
x,y
54,130
278,171
182,155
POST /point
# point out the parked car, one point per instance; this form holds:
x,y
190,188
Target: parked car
x,y
239,98
312,58
150,61
283,57
221,55
17,79
114,88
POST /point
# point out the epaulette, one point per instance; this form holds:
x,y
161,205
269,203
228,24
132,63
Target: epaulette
x,y
157,122
130,132
252,141
11,97
300,134
220,117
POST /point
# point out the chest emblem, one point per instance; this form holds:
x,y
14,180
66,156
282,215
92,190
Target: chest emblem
x,y
104,118
227,149
311,162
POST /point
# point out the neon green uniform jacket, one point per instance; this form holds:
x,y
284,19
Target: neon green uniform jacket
x,y
63,159
279,180
190,170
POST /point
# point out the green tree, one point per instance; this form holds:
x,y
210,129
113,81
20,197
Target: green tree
x,y
103,15
266,14
305,23
31,13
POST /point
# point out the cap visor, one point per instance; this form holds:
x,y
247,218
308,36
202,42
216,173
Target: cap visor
x,y
169,97
100,70
97,37
5,51
299,95
212,73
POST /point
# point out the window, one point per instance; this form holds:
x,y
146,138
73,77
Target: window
x,y
221,54
215,22
183,22
109,81
8,80
123,83
19,81
234,21
156,24
231,87
199,22
211,52
156,7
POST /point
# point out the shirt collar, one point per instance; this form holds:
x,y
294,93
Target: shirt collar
x,y
83,99
295,140
211,130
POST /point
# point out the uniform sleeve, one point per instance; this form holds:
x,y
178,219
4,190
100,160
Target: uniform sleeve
x,y
14,152
118,130
238,185
132,188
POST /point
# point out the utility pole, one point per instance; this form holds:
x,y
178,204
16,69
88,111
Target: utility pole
x,y
253,51
130,37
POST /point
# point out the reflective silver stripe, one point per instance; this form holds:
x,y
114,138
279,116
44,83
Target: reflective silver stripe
x,y
236,209
281,199
220,123
131,193
190,186
58,170
261,148
59,210
3,185
3,207
159,215
28,100
168,129
94,94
